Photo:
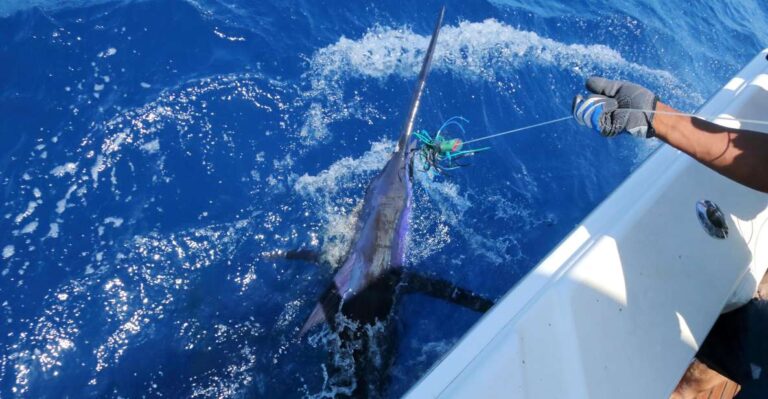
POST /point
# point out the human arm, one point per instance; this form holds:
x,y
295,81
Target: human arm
x,y
617,107
740,155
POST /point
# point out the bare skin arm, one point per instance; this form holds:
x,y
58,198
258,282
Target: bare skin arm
x,y
739,155
612,106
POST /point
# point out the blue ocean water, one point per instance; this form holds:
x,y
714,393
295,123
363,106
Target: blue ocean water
x,y
154,153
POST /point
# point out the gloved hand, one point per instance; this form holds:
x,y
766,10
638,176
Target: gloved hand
x,y
616,107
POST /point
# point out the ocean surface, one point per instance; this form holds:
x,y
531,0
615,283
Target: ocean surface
x,y
154,153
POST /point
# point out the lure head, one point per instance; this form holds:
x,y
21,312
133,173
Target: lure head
x,y
441,153
447,147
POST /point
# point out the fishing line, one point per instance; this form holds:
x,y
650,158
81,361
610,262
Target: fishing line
x,y
565,118
445,154
520,129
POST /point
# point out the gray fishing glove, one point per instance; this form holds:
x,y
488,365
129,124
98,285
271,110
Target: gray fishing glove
x,y
616,107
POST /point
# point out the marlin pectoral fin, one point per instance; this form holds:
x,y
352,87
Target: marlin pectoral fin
x,y
302,254
307,255
445,290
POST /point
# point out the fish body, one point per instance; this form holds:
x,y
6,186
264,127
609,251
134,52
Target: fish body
x,y
379,244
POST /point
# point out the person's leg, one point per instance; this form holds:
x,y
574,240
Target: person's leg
x,y
697,379
724,348
737,347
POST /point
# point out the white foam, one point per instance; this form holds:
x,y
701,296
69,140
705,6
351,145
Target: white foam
x,y
97,167
315,125
473,49
338,211
108,52
227,37
114,143
327,181
151,147
489,51
61,170
115,221
61,205
338,231
30,227
53,232
113,180
8,251
29,211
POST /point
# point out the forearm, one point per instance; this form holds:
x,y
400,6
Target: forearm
x,y
740,155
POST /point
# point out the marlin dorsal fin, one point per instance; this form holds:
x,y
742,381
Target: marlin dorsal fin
x,y
416,99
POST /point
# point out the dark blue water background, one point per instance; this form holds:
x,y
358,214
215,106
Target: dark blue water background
x,y
152,153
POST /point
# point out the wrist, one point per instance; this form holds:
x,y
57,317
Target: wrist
x,y
663,120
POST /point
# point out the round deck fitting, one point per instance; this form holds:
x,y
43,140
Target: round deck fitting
x,y
712,219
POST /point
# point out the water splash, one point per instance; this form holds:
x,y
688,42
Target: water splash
x,y
488,51
336,195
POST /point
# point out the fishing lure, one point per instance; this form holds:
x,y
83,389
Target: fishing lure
x,y
442,153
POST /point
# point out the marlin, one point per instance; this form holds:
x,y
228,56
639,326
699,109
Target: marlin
x,y
372,277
